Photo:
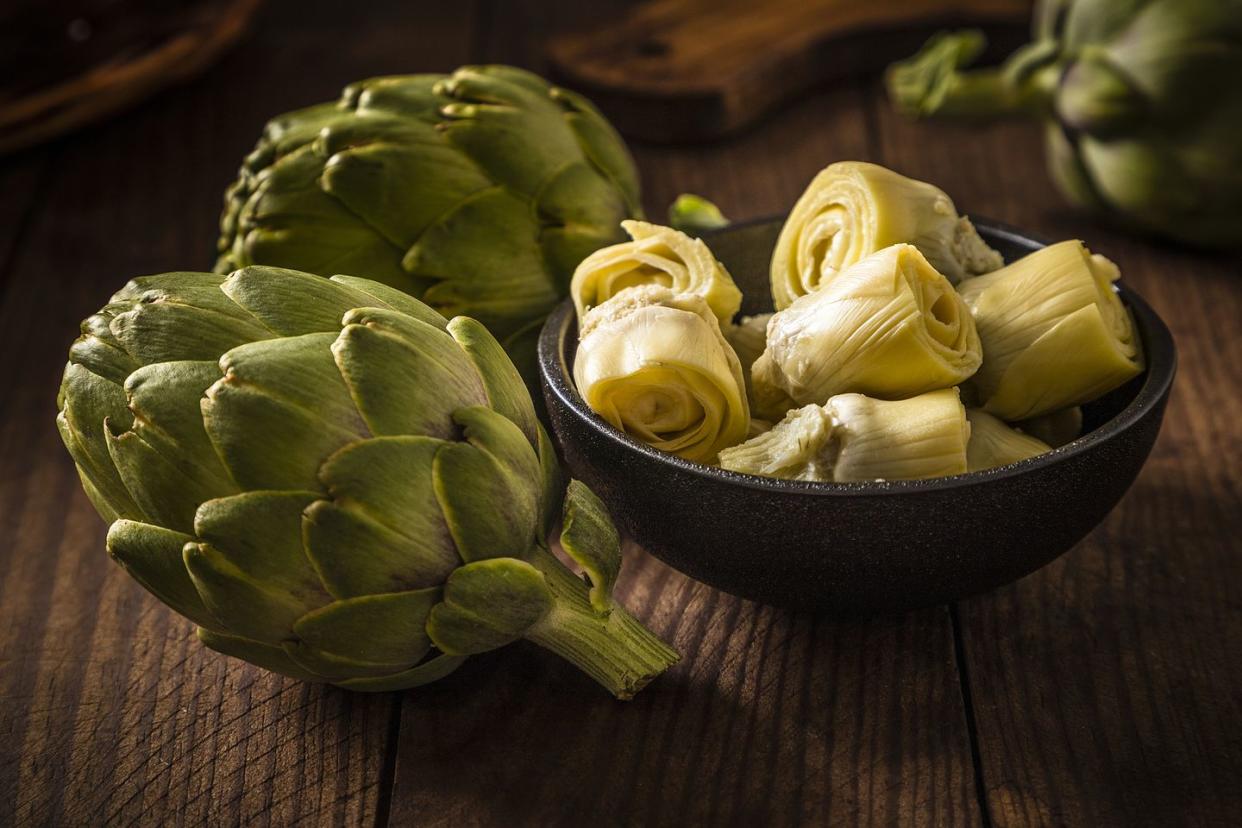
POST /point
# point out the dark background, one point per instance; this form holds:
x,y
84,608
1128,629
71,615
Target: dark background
x,y
1102,690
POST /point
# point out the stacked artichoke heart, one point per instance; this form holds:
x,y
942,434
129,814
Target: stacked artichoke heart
x,y
890,311
334,482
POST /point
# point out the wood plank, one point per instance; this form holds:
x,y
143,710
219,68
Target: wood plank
x,y
771,718
1105,686
111,712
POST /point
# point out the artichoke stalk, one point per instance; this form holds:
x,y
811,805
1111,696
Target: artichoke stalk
x,y
1054,331
889,326
655,256
853,209
856,438
655,365
478,192
335,483
1141,103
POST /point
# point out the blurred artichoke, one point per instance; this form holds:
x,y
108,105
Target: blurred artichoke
x,y
335,483
690,213
655,365
478,192
889,326
851,209
1141,101
655,256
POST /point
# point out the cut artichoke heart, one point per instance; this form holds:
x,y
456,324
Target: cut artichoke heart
x,y
748,337
655,365
856,438
993,443
1056,428
851,210
890,326
1055,333
658,256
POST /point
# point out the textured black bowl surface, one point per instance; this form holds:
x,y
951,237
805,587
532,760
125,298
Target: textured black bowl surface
x,y
859,548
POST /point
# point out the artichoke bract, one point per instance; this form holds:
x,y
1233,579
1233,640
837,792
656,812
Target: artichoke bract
x,y
852,209
655,256
335,483
1055,333
1141,103
993,443
856,438
1056,428
889,326
478,192
655,365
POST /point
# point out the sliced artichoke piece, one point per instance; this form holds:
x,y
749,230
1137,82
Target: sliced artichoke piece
x,y
1055,333
890,326
655,365
851,210
993,443
853,437
1055,428
655,256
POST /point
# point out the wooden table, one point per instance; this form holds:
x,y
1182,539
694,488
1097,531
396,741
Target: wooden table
x,y
1105,689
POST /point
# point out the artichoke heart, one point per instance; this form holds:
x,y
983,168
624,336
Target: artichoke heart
x,y
655,256
337,483
851,210
857,438
1055,333
889,326
748,338
993,443
1056,428
654,364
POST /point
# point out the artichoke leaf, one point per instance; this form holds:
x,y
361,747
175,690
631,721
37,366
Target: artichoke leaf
x,y
602,146
88,404
405,376
433,669
799,447
382,531
383,296
488,604
268,656
152,555
690,213
589,537
167,492
993,443
506,393
368,635
484,487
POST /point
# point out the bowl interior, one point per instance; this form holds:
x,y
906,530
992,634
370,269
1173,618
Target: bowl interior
x,y
746,249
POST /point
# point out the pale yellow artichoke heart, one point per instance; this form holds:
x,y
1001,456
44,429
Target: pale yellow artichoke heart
x,y
655,365
748,337
993,443
890,326
851,210
1055,333
655,256
854,438
1056,428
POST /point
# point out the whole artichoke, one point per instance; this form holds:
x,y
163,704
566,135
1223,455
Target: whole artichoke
x,y
335,483
478,192
1141,99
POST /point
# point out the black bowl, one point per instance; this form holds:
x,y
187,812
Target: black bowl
x,y
859,548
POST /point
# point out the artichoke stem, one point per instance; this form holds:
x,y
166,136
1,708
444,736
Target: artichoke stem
x,y
612,647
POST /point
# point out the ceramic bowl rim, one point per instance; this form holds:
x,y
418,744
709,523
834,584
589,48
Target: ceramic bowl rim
x,y
1158,348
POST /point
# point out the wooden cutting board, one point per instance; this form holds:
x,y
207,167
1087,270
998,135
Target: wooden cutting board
x,y
679,70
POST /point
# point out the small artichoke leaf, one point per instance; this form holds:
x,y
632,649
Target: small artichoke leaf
x,y
166,491
692,213
487,260
589,537
259,534
993,443
152,555
602,145
408,96
100,353
380,633
247,607
383,296
405,376
166,328
268,656
488,604
164,399
382,531
506,393
488,487
552,477
292,303
433,669
88,403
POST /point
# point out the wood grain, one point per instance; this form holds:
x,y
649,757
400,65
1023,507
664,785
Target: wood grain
x,y
111,712
1105,687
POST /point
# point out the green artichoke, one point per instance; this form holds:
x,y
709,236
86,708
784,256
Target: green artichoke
x,y
335,483
1141,100
478,192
